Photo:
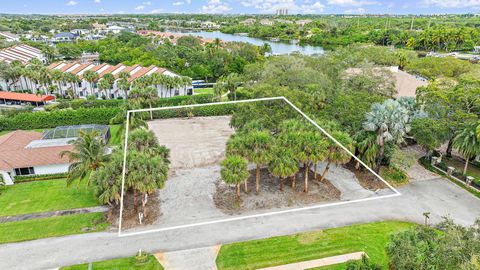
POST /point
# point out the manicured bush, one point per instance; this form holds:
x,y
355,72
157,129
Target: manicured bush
x,y
212,110
39,120
31,178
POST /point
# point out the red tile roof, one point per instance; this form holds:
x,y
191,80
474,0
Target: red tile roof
x,y
13,153
25,97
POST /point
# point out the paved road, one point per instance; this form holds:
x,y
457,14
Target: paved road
x,y
438,196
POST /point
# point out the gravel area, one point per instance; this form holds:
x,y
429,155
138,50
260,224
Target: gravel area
x,y
194,142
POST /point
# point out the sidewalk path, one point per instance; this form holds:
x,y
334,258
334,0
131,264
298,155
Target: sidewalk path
x,y
440,197
346,182
95,209
192,259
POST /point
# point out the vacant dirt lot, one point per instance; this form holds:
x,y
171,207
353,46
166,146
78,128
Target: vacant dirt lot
x,y
195,142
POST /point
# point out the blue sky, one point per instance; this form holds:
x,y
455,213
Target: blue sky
x,y
239,6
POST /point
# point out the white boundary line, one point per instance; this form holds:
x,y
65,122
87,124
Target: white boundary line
x,y
120,234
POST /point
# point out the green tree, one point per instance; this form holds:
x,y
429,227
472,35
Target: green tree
x,y
89,154
283,163
91,77
258,144
234,171
467,143
429,133
336,154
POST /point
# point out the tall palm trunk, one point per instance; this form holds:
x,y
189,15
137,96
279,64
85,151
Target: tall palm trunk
x,y
245,187
466,166
294,180
238,192
324,174
135,205
257,178
144,203
281,183
305,177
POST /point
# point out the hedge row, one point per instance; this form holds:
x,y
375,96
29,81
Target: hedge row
x,y
39,177
211,110
99,103
39,120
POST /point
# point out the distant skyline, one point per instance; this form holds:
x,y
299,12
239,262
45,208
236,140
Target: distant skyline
x,y
240,6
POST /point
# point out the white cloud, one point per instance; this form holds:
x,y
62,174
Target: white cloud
x,y
355,11
147,3
351,3
189,1
72,3
178,3
158,10
97,1
452,3
216,6
141,7
270,6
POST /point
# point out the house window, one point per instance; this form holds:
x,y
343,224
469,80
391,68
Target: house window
x,y
177,92
24,171
79,84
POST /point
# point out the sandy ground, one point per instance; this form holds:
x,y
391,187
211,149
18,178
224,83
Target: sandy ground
x,y
195,142
195,192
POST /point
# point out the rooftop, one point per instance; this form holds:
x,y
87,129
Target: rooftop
x,y
25,97
15,154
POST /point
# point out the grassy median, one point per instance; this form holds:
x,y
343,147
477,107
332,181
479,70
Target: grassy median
x,y
50,227
119,264
370,238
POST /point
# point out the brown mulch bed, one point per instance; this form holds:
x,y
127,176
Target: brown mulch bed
x,y
270,195
130,217
366,179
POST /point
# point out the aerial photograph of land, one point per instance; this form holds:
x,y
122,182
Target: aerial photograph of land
x,y
253,134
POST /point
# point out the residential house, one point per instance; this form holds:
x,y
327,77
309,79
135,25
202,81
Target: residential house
x,y
303,22
64,37
35,153
10,37
209,25
249,21
266,22
22,53
83,88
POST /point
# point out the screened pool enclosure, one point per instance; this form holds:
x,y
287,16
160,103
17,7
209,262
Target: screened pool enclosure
x,y
63,132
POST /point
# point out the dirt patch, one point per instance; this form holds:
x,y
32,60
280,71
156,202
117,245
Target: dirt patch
x,y
130,217
366,179
193,142
270,195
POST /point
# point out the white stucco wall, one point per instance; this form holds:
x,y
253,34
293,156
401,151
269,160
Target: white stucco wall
x,y
6,178
50,169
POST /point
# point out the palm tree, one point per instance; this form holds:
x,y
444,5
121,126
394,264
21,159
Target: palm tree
x,y
468,144
103,85
108,179
234,171
146,174
143,140
57,77
123,82
390,120
336,154
108,77
283,163
367,148
257,144
91,77
87,156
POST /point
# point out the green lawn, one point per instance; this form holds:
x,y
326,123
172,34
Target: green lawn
x,y
203,90
119,264
370,238
51,227
42,196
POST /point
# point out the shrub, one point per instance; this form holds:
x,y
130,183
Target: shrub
x,y
39,177
39,120
394,175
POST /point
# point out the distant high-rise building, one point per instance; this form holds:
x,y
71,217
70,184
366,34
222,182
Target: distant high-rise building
x,y
282,11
